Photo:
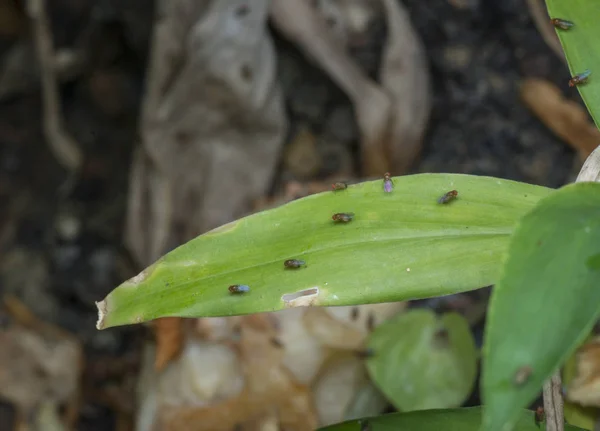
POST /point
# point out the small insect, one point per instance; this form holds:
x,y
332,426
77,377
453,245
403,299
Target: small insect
x,y
539,415
580,78
388,183
522,375
294,263
343,217
239,288
340,185
563,24
448,197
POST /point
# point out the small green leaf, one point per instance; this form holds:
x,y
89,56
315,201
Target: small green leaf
x,y
422,362
400,245
467,419
546,302
580,44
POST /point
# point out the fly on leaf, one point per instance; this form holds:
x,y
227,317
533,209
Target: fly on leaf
x,y
580,78
388,183
340,185
294,263
563,24
239,288
342,217
448,197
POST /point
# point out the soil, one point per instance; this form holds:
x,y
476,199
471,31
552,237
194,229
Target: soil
x,y
61,247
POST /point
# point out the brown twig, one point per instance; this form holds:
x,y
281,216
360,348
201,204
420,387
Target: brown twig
x,y
553,404
63,146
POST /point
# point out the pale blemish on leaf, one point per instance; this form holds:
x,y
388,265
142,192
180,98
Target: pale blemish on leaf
x,y
303,298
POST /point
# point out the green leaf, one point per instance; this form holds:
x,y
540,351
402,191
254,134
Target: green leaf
x,y
400,245
467,419
546,301
580,44
423,362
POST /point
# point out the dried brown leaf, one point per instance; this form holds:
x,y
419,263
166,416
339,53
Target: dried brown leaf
x,y
566,118
331,332
585,387
336,384
306,27
213,123
347,327
38,362
405,76
169,340
268,386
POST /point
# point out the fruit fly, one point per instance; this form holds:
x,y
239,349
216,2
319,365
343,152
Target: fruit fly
x,y
239,288
539,415
580,78
339,186
294,263
563,24
450,196
343,217
388,183
522,375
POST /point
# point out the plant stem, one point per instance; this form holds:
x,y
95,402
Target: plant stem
x,y
553,403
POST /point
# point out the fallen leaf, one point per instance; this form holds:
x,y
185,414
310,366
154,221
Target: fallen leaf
x,y
169,340
566,118
336,384
267,386
576,414
367,401
213,124
584,389
347,327
305,26
405,76
39,363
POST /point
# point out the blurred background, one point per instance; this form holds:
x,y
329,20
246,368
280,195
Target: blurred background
x,y
128,127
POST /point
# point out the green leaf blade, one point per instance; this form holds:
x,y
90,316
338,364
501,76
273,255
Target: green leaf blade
x,y
580,44
400,245
546,302
465,419
424,362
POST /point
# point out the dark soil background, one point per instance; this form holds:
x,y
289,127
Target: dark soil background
x,y
61,248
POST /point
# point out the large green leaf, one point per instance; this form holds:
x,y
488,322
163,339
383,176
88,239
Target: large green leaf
x,y
423,362
400,245
467,419
546,301
580,44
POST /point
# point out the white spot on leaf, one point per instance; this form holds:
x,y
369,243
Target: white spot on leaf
x,y
303,298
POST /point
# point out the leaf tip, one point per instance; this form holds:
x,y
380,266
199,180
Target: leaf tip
x,y
102,309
